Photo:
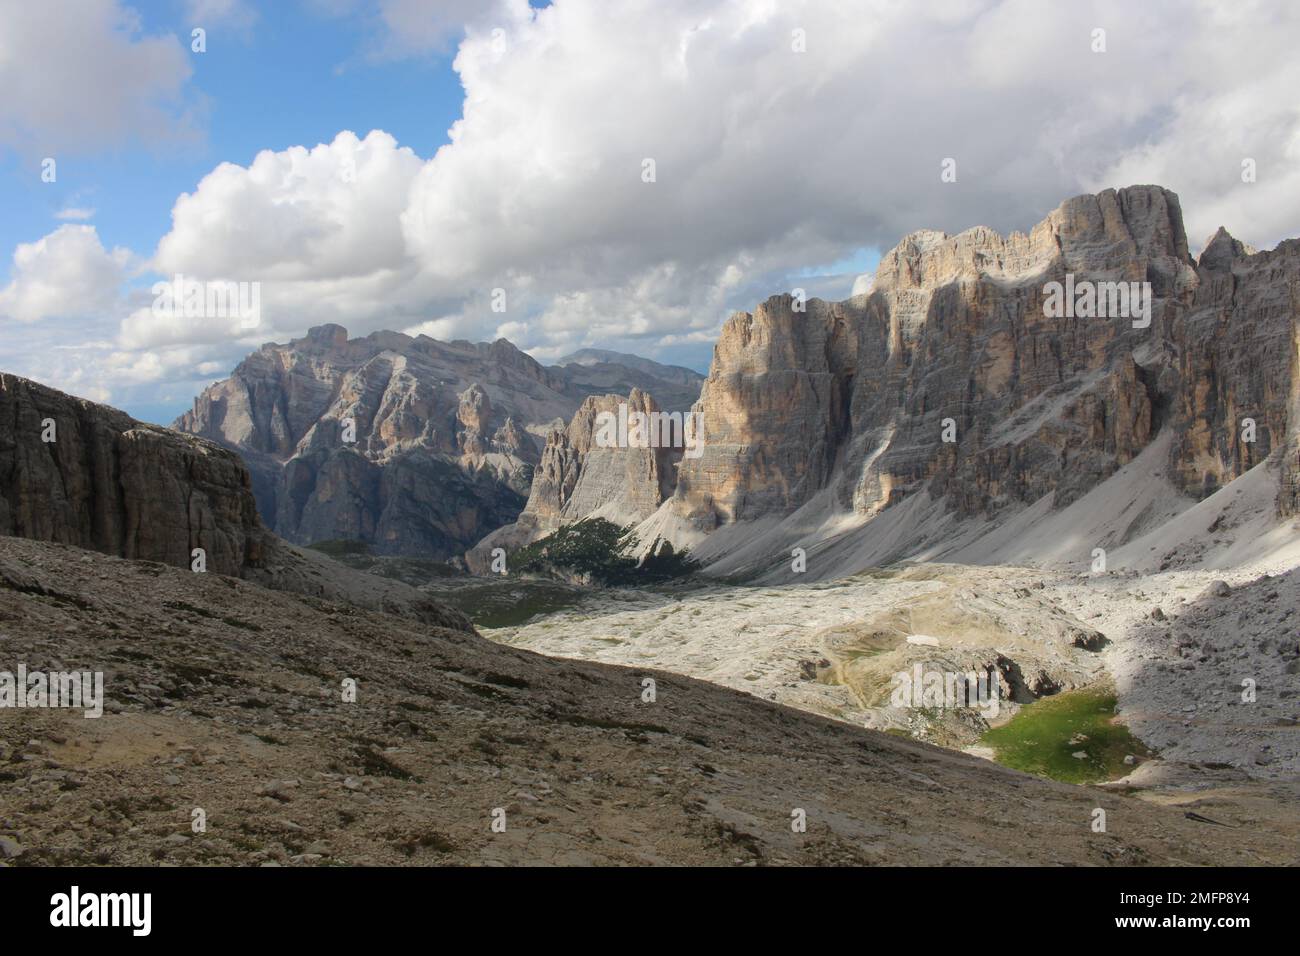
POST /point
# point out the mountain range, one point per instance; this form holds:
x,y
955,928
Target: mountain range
x,y
410,445
928,415
222,692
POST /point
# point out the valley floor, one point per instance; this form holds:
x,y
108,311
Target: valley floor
x,y
1194,631
1179,649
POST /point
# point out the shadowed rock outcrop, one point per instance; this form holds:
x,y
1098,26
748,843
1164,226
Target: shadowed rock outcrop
x,y
75,472
1238,348
78,473
579,478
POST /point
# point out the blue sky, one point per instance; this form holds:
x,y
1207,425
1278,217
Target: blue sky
x,y
291,78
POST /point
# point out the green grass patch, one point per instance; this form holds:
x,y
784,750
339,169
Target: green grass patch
x,y
1043,738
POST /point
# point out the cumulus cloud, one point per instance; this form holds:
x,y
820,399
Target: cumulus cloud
x,y
324,213
318,230
784,139
112,83
67,274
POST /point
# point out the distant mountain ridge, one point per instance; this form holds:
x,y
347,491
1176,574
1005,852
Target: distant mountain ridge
x,y
657,370
412,445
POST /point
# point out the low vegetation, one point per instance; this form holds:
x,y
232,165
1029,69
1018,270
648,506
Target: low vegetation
x,y
1047,736
409,570
596,551
342,547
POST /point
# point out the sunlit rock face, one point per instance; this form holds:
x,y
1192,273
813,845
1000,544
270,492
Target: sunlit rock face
x,y
957,374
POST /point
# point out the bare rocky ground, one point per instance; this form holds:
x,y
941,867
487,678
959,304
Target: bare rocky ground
x,y
1207,665
1180,648
227,697
752,639
831,648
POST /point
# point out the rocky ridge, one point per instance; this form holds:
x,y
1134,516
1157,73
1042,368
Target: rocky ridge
x,y
949,388
409,444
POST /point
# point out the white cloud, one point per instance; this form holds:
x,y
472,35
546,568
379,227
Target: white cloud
x,y
326,213
81,76
769,162
318,229
862,285
66,274
1207,129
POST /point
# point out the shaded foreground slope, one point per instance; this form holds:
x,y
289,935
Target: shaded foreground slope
x,y
226,697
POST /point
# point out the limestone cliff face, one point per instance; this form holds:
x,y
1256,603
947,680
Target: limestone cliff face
x,y
77,473
578,477
412,445
955,330
1239,360
949,377
109,483
775,411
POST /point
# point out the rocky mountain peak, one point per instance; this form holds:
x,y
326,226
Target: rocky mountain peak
x,y
411,444
329,336
1220,249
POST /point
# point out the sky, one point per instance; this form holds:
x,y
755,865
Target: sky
x,y
607,173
